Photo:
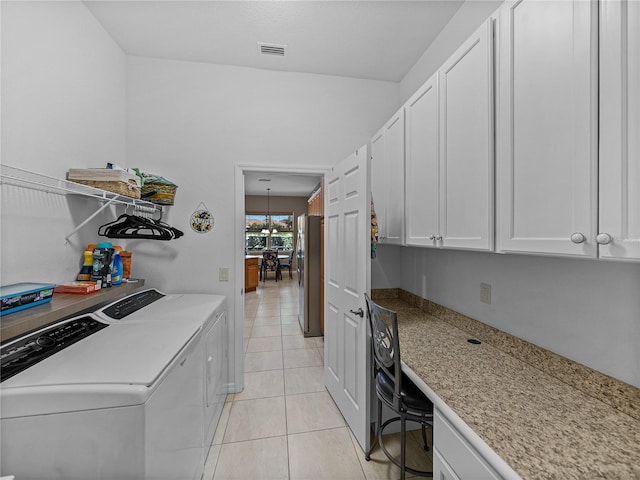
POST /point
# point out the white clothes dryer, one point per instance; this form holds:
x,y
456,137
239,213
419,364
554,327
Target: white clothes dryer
x,y
210,311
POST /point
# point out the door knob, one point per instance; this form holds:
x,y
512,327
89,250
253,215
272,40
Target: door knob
x,y
604,238
359,313
578,237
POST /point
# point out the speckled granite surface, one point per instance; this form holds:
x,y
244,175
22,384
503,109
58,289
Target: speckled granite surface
x,y
535,418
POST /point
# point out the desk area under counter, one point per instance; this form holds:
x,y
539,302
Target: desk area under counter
x,y
507,409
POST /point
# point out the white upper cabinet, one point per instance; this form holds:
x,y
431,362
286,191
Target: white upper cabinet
x,y
547,127
422,166
466,144
449,151
387,184
377,179
619,175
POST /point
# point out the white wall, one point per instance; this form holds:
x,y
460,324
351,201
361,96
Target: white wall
x,y
193,122
386,268
466,20
63,105
586,310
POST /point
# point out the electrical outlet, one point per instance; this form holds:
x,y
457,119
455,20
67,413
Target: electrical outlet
x,y
223,274
485,293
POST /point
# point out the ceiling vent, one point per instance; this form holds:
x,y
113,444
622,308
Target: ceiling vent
x,y
271,49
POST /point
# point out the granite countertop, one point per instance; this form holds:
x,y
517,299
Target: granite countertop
x,y
541,426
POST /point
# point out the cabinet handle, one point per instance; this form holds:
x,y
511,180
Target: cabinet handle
x,y
604,238
578,237
438,237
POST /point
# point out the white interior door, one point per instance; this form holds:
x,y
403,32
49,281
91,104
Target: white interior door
x,y
347,271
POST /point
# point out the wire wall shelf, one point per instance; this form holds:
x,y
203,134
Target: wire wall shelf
x,y
37,181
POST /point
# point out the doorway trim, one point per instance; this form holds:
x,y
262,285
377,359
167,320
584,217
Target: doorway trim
x,y
237,353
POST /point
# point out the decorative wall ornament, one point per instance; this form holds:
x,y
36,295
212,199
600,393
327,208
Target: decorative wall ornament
x,y
202,220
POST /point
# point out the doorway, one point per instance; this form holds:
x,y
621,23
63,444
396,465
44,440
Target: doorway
x,y
250,180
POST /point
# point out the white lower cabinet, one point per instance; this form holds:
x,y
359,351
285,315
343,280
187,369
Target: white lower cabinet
x,y
453,457
441,469
216,367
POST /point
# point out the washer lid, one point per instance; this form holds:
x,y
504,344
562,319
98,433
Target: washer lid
x,y
176,307
130,354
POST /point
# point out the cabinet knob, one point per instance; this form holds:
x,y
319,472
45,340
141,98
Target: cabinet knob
x,y
438,237
578,237
604,238
432,237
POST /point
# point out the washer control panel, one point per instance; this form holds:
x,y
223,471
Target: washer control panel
x,y
131,304
18,355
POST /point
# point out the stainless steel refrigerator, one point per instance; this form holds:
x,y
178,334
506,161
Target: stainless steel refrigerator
x,y
308,266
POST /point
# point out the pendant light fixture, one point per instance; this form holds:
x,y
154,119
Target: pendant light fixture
x,y
266,230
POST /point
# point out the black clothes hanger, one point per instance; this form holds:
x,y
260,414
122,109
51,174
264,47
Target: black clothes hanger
x,y
133,226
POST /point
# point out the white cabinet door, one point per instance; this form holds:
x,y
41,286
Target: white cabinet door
x,y
619,171
441,469
466,144
449,151
216,367
547,127
394,178
387,179
378,193
422,181
457,457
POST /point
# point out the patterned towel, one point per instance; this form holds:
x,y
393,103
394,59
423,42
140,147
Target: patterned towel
x,y
374,229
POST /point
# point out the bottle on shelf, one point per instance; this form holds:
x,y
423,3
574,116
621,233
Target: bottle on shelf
x,y
102,264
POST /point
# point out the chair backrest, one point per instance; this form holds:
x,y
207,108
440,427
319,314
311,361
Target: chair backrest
x,y
385,345
270,260
290,257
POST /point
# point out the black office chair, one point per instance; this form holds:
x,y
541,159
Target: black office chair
x,y
394,388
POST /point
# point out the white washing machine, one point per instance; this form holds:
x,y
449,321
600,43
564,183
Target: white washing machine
x,y
84,399
211,313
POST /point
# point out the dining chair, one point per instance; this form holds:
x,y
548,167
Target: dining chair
x,y
288,263
393,388
270,263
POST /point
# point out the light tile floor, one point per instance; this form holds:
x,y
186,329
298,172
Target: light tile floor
x,y
284,424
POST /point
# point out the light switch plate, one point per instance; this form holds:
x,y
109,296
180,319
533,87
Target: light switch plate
x,y
223,274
